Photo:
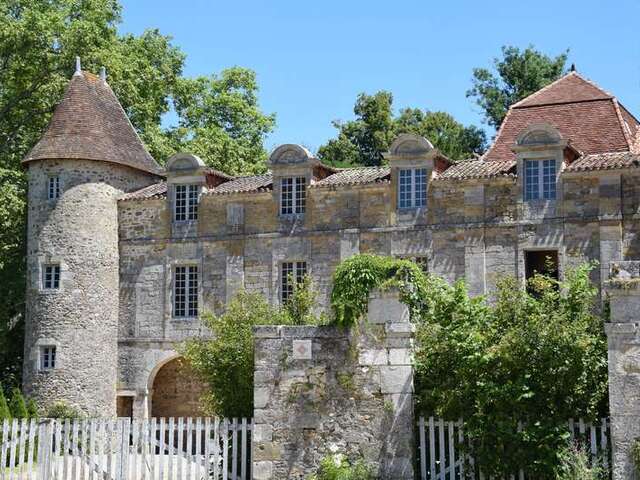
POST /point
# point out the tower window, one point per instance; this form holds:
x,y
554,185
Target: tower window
x,y
186,203
412,188
293,195
53,188
47,357
185,291
51,277
539,180
543,262
290,274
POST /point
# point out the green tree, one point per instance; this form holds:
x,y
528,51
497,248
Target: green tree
x,y
517,74
363,140
218,116
220,120
17,405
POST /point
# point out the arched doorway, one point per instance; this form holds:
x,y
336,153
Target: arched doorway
x,y
176,392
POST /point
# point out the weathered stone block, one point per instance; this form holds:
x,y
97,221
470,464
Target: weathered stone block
x,y
373,357
396,379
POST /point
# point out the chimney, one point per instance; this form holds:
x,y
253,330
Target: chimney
x,y
103,74
78,67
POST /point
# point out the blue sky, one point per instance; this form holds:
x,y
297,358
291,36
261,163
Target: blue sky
x,y
313,58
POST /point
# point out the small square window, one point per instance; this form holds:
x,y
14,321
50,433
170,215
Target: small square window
x,y
47,357
53,188
51,277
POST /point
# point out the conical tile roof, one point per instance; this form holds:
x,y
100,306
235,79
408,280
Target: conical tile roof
x,y
90,124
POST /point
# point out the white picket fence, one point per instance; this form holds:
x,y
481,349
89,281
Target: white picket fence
x,y
441,458
125,449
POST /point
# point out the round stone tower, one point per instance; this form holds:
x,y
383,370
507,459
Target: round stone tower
x,y
89,156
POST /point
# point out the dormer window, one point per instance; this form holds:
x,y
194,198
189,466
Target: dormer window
x,y
540,180
186,203
293,195
412,188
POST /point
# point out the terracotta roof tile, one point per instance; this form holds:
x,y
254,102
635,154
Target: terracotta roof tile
x,y
604,161
478,169
90,124
570,88
254,183
157,190
355,176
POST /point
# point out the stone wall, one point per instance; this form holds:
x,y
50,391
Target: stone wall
x,y
78,231
322,391
623,335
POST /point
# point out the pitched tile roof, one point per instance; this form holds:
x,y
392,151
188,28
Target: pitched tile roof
x,y
604,161
478,169
157,190
355,176
254,183
590,118
89,123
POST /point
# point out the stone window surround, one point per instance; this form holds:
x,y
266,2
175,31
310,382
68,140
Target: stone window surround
x,y
44,260
58,187
522,249
189,208
554,150
171,264
53,353
291,172
295,188
409,164
34,355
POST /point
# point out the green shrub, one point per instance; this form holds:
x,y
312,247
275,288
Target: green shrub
x,y
225,362
17,405
4,407
357,276
536,356
299,306
32,408
635,454
575,465
337,467
62,410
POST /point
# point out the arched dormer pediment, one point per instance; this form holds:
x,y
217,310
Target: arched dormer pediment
x,y
290,154
539,135
407,144
184,162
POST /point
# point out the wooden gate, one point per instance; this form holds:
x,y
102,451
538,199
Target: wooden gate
x,y
125,449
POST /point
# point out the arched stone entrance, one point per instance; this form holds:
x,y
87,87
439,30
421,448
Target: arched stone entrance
x,y
176,391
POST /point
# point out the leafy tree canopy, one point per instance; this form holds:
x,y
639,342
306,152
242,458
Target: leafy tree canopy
x,y
517,74
218,116
363,140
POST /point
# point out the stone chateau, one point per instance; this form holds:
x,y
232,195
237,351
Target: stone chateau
x,y
124,255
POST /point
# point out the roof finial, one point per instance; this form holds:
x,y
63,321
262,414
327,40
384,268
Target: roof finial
x,y
78,67
103,74
573,67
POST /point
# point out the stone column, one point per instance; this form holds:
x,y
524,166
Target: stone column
x,y
623,335
323,391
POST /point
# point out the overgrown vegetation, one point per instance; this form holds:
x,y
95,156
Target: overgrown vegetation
x,y
62,410
337,467
576,465
225,361
536,355
635,454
